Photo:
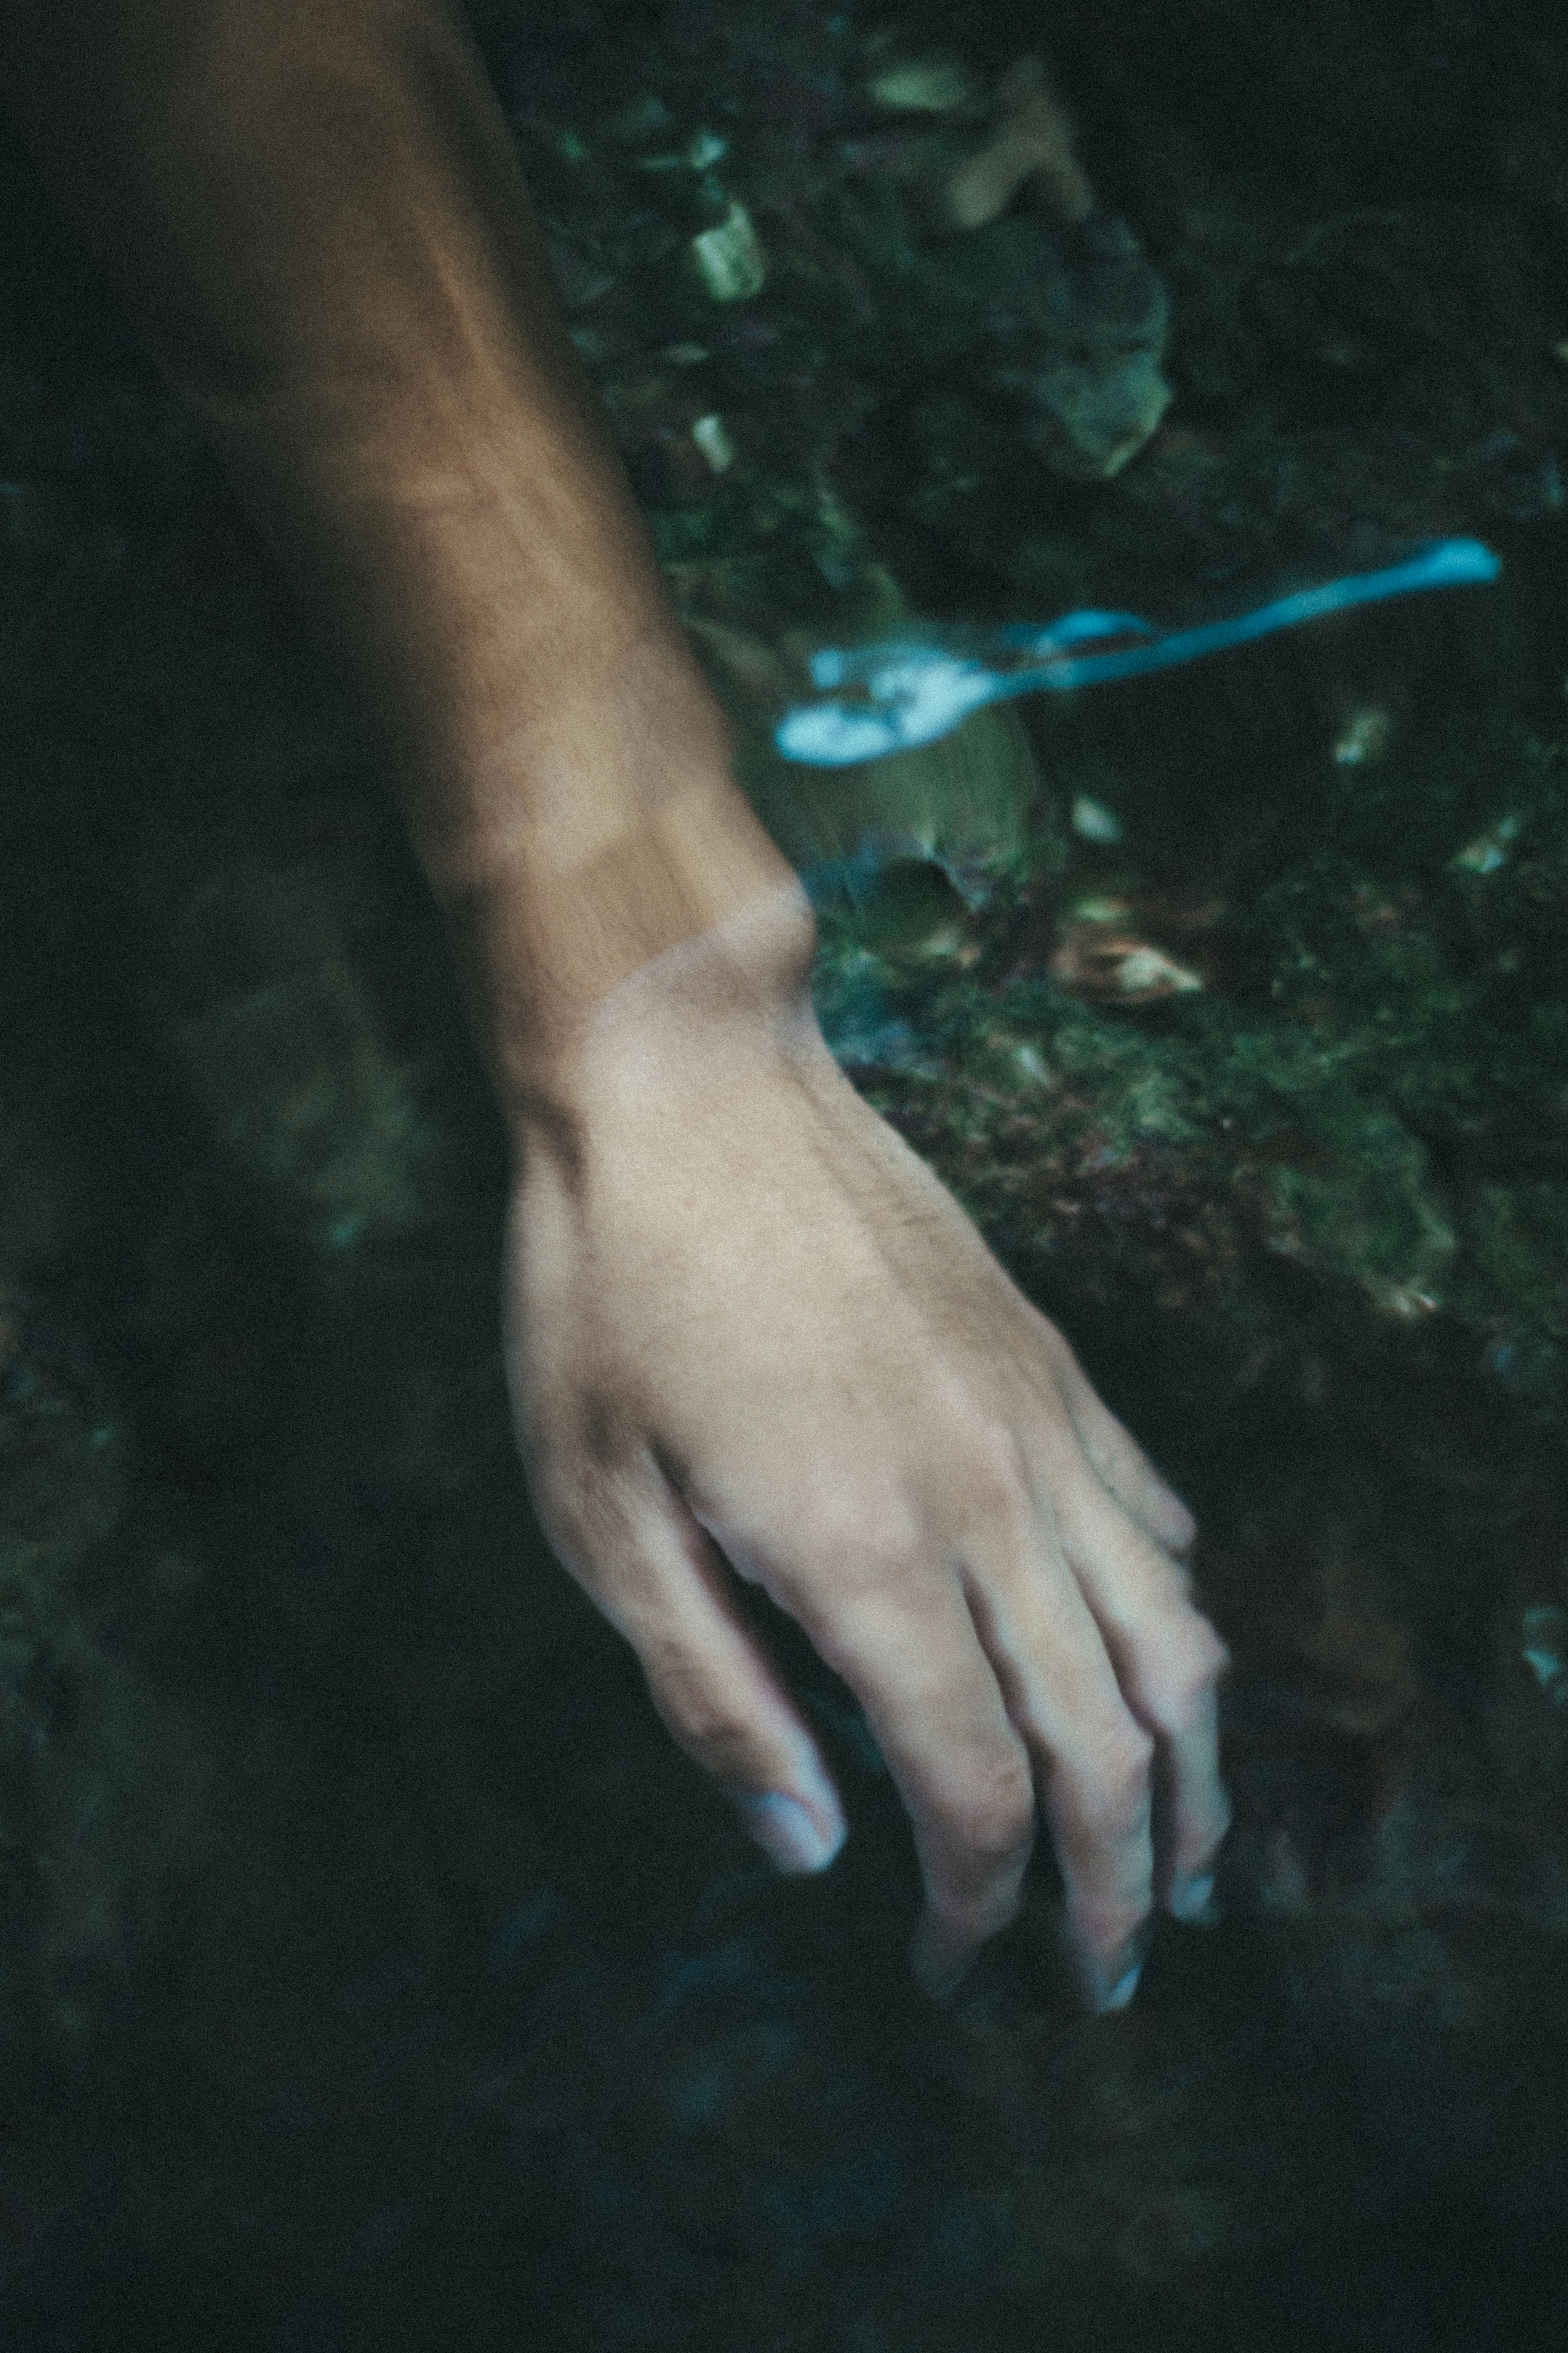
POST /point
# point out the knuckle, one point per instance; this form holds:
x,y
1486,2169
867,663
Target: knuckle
x,y
1127,1759
1114,1791
577,1508
698,1713
849,1594
991,1819
1057,1346
991,1468
1107,1929
1186,1665
555,1496
1207,1663
979,1914
1181,1522
570,1533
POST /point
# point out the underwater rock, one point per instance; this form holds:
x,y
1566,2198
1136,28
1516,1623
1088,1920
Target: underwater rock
x,y
1083,342
1526,1706
1084,335
35,1194
104,1783
286,1048
921,86
1097,960
674,441
1327,1189
964,802
1034,143
61,1471
729,257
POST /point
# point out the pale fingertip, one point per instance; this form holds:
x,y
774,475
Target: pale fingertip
x,y
1192,1902
791,1837
1167,1519
1122,1992
1180,1531
1109,1986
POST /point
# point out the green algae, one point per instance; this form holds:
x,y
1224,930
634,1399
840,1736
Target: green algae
x,y
1352,1107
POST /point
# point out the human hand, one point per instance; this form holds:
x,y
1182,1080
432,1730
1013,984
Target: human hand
x,y
745,1325
750,1334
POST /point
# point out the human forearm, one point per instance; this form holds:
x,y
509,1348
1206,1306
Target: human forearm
x,y
315,216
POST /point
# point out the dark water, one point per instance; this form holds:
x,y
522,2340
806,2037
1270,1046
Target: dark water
x,y
373,1970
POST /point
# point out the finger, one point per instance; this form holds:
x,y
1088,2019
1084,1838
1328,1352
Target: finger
x,y
905,1643
1116,1454
1094,1759
1168,1660
1187,1745
661,1581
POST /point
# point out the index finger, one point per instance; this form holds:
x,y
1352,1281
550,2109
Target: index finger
x,y
907,1647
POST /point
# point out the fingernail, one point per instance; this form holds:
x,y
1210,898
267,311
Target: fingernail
x,y
1122,1992
786,1832
1123,1976
1192,1900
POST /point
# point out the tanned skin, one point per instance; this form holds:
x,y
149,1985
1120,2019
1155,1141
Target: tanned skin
x,y
750,1337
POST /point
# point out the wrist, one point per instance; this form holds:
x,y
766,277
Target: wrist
x,y
717,1014
627,958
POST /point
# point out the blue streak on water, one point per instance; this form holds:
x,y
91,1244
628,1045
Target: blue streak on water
x,y
919,687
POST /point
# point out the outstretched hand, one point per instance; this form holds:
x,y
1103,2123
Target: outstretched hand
x,y
750,1335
